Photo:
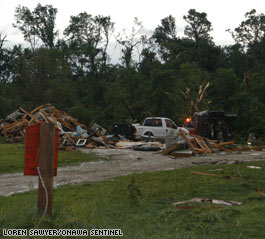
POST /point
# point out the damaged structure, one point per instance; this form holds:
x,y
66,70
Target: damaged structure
x,y
71,131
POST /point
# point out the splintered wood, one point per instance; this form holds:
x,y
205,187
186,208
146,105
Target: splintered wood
x,y
197,145
12,128
71,131
209,200
201,145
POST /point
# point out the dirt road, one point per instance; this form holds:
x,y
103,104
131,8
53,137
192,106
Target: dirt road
x,y
119,162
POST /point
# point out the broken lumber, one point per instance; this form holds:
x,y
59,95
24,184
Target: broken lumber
x,y
226,143
200,141
260,192
216,175
209,200
12,127
173,147
181,154
183,134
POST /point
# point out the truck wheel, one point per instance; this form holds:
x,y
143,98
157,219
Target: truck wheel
x,y
149,134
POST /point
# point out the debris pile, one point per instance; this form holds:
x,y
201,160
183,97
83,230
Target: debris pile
x,y
201,145
71,131
72,134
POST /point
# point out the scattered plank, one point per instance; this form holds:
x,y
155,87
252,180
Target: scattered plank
x,y
216,175
209,200
183,134
222,148
172,148
260,192
202,144
226,143
12,127
181,154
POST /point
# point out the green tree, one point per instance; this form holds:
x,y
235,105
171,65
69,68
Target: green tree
x,y
165,36
257,99
167,30
202,49
163,88
224,90
198,27
190,79
250,31
5,66
129,42
41,76
37,24
87,39
236,58
251,34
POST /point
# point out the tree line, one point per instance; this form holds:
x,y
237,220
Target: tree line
x,y
75,72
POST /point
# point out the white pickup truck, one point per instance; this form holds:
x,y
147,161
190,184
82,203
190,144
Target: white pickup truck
x,y
157,127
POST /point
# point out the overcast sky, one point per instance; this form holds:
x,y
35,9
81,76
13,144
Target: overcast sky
x,y
223,14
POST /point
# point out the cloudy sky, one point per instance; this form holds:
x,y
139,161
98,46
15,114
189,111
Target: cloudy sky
x,y
223,14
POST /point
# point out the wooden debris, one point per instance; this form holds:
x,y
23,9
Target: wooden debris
x,y
216,146
198,145
202,145
216,175
90,146
183,134
200,141
181,154
226,143
173,147
260,192
209,200
192,207
13,126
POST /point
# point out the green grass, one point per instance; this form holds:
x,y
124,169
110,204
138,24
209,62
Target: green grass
x,y
141,205
12,158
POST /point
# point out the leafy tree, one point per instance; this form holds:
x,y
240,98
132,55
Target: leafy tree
x,y
236,58
257,100
5,66
129,42
38,24
87,39
107,29
257,51
199,26
251,34
163,89
167,30
224,90
165,35
148,63
2,40
190,79
41,76
85,36
4,77
250,31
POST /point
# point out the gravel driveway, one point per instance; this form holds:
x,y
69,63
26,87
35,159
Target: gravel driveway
x,y
119,162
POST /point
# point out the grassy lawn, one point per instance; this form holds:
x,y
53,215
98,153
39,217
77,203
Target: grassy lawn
x,y
141,205
12,158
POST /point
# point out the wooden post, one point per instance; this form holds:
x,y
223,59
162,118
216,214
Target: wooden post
x,y
46,166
